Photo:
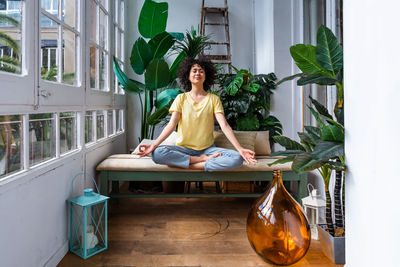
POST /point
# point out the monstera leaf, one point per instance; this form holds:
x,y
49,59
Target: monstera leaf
x,y
234,85
153,18
249,123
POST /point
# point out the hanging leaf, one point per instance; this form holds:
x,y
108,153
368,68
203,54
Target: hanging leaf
x,y
328,51
249,123
127,84
157,74
316,116
308,138
160,44
153,18
321,80
175,65
282,161
140,56
288,143
177,35
305,162
305,58
166,97
328,149
158,116
332,133
234,85
321,108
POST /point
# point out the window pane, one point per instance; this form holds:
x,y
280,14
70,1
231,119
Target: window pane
x,y
93,66
68,134
119,118
68,75
100,124
10,144
103,32
93,20
41,138
121,14
110,124
49,44
104,3
69,11
116,11
88,127
11,37
117,43
50,6
103,71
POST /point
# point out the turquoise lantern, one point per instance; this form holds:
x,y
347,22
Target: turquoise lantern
x,y
88,222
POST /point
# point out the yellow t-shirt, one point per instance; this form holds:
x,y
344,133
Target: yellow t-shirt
x,y
196,125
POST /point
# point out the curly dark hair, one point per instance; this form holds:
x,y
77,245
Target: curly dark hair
x,y
184,71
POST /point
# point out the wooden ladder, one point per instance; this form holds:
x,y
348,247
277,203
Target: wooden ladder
x,y
214,28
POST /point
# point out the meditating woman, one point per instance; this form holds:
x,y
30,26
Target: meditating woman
x,y
195,111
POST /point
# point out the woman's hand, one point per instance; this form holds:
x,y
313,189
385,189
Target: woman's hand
x,y
144,150
248,155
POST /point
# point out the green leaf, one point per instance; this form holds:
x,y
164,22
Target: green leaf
x,y
10,20
287,153
328,51
153,18
177,35
175,65
308,138
158,116
321,108
316,116
315,131
335,123
249,123
140,55
160,44
328,150
288,143
305,162
291,77
166,97
127,84
282,161
7,40
157,74
321,80
234,85
305,58
252,87
332,133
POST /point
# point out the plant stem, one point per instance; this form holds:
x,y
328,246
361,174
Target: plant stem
x,y
337,199
328,212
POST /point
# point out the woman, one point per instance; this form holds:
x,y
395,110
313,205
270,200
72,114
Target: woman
x,y
195,111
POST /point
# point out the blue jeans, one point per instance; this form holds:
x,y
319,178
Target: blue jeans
x,y
180,156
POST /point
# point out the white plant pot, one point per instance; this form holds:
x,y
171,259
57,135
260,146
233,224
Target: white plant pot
x,y
332,247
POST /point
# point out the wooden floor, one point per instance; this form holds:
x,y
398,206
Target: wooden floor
x,y
182,232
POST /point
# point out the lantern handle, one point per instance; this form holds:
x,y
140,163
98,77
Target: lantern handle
x,y
84,174
310,190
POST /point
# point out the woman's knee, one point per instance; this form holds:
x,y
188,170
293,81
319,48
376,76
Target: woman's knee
x,y
237,160
159,153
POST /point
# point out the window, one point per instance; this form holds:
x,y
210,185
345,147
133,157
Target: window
x,y
99,47
50,112
119,29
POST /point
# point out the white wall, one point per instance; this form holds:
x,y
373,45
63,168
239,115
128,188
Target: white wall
x,y
372,94
33,207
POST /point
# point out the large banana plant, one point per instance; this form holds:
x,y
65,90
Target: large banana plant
x,y
9,63
322,147
147,58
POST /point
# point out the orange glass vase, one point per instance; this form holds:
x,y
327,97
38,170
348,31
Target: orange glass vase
x,y
277,227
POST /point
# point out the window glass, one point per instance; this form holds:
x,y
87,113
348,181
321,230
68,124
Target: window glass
x,y
69,56
100,124
68,132
41,138
89,127
10,144
49,47
69,12
11,13
110,123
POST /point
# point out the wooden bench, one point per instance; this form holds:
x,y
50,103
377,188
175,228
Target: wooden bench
x,y
128,167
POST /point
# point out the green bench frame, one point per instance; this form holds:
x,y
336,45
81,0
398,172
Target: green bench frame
x,y
114,177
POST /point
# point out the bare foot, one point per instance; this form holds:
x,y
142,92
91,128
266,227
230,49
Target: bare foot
x,y
213,156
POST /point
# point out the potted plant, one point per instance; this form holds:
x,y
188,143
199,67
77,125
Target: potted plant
x,y
321,148
246,99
